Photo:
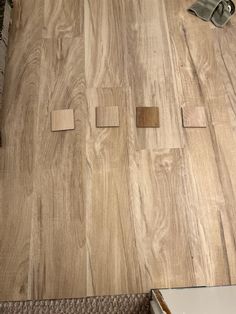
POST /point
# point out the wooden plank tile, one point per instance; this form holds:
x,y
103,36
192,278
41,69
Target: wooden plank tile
x,y
19,113
199,81
58,224
159,214
194,117
105,39
150,73
108,211
225,137
205,200
15,229
63,120
147,117
107,116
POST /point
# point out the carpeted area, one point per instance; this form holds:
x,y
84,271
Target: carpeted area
x,y
120,304
2,11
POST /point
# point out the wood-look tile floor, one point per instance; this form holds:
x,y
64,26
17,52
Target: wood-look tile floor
x,y
98,211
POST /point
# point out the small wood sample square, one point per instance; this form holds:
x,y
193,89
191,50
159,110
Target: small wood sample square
x,y
147,117
194,117
63,120
107,117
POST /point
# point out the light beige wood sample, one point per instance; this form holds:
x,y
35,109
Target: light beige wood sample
x,y
62,120
107,116
116,210
194,117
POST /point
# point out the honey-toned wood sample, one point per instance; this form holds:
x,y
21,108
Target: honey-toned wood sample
x,y
63,120
194,117
107,117
147,117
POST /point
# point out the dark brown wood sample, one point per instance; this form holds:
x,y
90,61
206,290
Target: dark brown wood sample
x,y
147,117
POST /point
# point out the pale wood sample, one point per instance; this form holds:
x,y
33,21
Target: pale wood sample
x,y
62,120
147,117
194,117
107,116
116,210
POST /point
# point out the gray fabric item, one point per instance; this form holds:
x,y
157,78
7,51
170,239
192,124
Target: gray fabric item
x,y
218,11
119,304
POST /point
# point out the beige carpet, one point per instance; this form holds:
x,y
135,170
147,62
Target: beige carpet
x,y
122,304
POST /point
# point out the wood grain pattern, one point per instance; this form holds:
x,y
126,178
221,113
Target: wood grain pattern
x,y
147,117
17,155
107,116
194,117
159,213
199,79
105,44
62,120
58,214
225,134
205,204
28,19
115,210
149,59
109,215
63,18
